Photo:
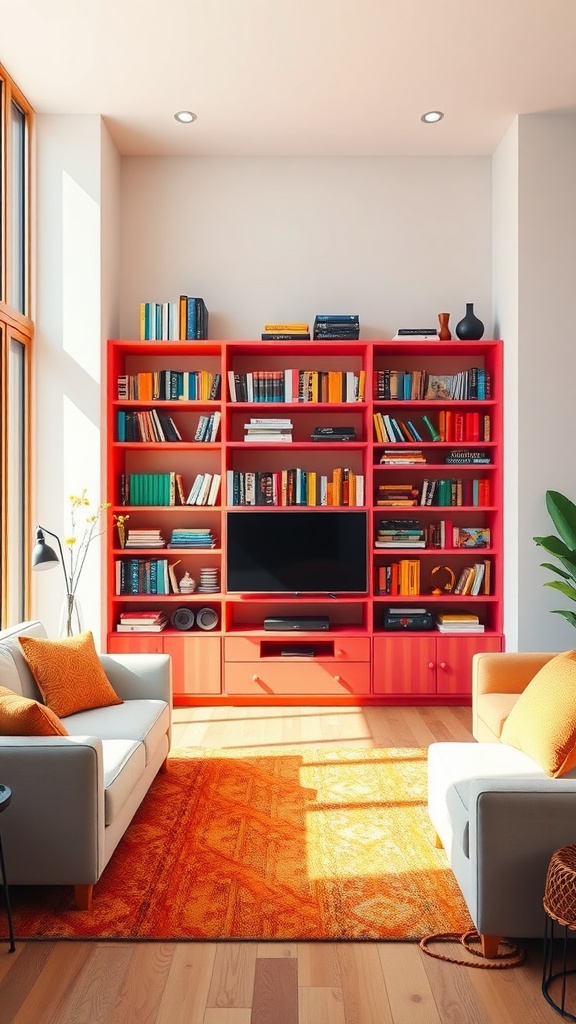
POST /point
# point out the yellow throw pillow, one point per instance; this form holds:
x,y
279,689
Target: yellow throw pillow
x,y
20,716
542,722
69,674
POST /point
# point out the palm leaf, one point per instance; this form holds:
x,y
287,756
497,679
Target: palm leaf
x,y
571,616
563,514
555,568
564,588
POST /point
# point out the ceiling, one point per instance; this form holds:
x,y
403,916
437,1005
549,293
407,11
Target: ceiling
x,y
294,77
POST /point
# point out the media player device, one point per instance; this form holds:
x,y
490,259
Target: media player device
x,y
291,623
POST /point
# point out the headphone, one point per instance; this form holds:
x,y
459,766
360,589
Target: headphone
x,y
446,586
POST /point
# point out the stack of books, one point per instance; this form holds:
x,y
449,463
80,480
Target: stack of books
x,y
336,325
192,538
286,332
267,430
400,533
401,456
459,622
145,538
402,495
141,622
333,434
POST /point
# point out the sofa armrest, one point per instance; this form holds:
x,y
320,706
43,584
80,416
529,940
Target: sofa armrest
x,y
505,671
515,827
57,807
140,676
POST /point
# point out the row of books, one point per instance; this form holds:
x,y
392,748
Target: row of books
x,y
447,491
168,489
294,385
184,320
149,425
399,578
336,325
435,535
449,426
296,487
207,429
402,578
417,385
142,576
169,386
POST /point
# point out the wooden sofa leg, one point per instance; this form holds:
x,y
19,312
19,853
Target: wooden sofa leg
x,y
489,944
83,896
437,841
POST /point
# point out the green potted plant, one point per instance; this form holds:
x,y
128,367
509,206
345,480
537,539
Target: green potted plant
x,y
562,511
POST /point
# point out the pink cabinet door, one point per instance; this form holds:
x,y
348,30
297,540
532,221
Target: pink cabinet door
x,y
454,661
405,666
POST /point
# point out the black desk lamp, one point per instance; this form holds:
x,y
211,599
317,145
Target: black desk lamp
x,y
43,556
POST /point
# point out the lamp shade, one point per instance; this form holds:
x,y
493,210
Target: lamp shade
x,y
43,556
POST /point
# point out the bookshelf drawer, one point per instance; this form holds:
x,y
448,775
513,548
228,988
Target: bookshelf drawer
x,y
347,648
320,677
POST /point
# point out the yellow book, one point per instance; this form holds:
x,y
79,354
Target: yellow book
x,y
286,328
361,385
311,488
378,427
142,321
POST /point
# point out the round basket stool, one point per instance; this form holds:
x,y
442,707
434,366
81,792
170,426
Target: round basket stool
x,y
559,906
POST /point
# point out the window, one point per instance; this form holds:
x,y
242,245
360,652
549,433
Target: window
x,y
16,334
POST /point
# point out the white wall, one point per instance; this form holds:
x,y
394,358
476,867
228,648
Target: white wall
x,y
269,239
546,360
72,240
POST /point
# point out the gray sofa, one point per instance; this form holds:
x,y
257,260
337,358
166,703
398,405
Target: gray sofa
x,y
497,814
74,796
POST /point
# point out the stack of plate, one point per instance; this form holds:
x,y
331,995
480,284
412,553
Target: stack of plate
x,y
209,581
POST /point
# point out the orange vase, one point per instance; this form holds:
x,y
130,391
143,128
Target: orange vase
x,y
444,331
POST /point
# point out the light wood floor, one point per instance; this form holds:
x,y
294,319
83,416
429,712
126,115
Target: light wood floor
x,y
272,983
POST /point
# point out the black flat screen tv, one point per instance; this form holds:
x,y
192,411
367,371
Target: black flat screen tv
x,y
297,552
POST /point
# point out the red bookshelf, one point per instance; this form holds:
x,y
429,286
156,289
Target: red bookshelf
x,y
358,660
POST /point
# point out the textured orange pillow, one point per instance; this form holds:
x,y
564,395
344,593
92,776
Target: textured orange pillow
x,y
542,722
68,673
20,716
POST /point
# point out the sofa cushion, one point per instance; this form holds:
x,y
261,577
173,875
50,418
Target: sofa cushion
x,y
20,716
542,722
69,673
145,721
124,762
14,669
493,709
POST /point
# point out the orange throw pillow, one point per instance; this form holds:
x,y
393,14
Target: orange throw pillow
x,y
542,722
20,716
69,674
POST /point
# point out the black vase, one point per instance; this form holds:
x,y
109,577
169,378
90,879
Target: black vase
x,y
470,328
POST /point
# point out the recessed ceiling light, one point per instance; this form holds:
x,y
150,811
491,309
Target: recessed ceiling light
x,y
432,116
184,116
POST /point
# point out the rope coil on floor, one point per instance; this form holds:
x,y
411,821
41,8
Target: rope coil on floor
x,y
514,955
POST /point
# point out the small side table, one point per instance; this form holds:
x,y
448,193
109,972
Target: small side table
x,y
5,798
559,906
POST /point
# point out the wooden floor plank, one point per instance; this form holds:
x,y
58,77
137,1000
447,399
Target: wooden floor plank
x,y
184,998
277,949
24,973
48,999
144,982
232,982
320,1006
318,965
227,1015
364,990
407,983
275,998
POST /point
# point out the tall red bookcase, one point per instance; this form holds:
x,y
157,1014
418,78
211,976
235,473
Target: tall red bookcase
x,y
359,660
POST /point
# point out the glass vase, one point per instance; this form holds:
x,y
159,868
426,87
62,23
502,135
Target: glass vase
x,y
71,623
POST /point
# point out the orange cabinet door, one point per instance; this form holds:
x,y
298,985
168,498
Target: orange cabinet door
x,y
405,665
281,678
134,643
195,664
454,661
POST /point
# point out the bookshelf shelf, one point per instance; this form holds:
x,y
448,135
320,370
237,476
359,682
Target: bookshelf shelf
x,y
236,660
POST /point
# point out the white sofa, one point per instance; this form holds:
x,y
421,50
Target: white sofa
x,y
74,796
497,814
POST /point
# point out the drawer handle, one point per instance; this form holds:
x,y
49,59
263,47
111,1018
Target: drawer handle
x,y
430,664
338,652
338,679
255,679
442,664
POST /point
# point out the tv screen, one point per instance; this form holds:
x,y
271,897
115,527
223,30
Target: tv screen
x,y
297,552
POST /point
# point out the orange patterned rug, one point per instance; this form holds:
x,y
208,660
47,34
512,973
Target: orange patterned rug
x,y
316,844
